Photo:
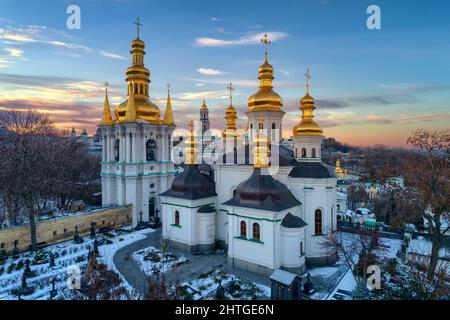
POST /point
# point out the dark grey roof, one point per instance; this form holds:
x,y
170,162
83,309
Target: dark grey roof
x,y
286,156
263,192
191,184
204,169
291,221
206,209
312,170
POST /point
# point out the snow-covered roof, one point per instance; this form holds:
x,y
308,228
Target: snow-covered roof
x,y
341,195
363,211
283,276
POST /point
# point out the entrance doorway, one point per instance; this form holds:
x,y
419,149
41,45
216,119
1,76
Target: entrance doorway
x,y
151,207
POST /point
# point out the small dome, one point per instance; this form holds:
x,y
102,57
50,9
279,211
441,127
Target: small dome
x,y
137,43
307,126
265,99
292,222
191,184
204,106
145,109
314,170
263,192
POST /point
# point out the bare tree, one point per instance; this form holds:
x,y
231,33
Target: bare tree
x,y
40,165
357,250
428,172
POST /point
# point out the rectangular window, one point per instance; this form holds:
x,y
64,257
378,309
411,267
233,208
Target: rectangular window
x,y
54,233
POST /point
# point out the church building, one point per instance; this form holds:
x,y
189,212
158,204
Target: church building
x,y
268,206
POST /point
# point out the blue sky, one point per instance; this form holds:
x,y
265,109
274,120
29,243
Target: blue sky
x,y
371,86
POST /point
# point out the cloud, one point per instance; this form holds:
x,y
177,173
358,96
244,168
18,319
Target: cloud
x,y
406,118
13,52
249,39
413,87
215,19
247,83
43,35
377,119
204,95
209,72
111,55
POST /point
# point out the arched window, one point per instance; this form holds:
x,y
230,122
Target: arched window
x,y
256,232
318,222
150,150
303,153
177,218
135,88
273,125
234,192
116,150
313,153
243,230
301,248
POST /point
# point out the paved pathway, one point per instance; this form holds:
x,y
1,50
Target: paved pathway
x,y
128,267
196,265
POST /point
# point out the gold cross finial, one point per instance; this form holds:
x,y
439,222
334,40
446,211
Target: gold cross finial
x,y
265,40
168,88
138,26
231,89
307,77
191,126
106,86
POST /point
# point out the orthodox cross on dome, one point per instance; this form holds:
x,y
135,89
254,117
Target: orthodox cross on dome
x,y
307,77
231,89
168,88
138,26
265,40
106,86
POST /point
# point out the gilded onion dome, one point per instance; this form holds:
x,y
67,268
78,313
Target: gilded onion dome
x,y
338,169
204,106
307,126
138,80
265,99
230,112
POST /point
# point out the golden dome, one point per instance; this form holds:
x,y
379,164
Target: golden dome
x,y
265,99
307,126
204,106
138,80
106,117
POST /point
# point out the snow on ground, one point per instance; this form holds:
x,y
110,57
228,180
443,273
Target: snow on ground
x,y
206,285
152,260
66,254
328,280
346,284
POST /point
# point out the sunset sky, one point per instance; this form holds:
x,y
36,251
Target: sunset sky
x,y
371,86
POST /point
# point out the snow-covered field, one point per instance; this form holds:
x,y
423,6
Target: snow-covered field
x,y
67,254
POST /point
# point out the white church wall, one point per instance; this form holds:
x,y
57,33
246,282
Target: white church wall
x,y
193,228
316,194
